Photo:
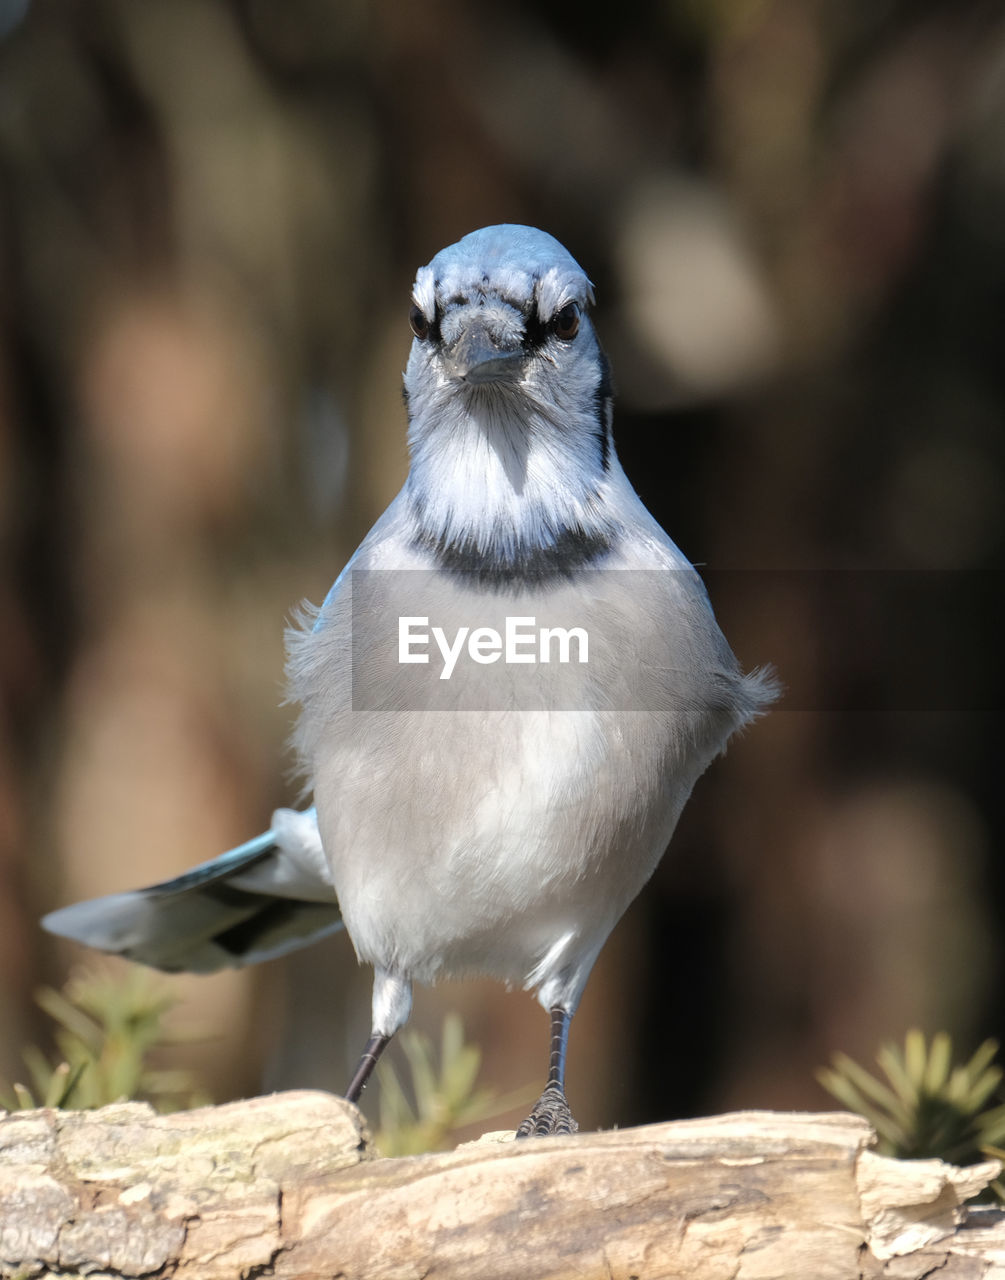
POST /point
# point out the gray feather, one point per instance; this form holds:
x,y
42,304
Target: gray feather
x,y
241,908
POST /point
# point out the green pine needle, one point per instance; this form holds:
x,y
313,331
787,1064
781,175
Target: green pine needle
x,y
107,1024
446,1096
927,1106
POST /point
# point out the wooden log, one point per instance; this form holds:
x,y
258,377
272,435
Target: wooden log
x,y
289,1186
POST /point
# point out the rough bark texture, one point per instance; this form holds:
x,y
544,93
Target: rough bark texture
x,y
288,1186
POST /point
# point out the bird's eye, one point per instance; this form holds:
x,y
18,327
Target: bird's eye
x,y
565,322
418,321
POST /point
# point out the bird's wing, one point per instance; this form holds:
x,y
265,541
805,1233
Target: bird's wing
x,y
263,899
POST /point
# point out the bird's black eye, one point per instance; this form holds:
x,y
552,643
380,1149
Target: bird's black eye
x,y
418,321
565,322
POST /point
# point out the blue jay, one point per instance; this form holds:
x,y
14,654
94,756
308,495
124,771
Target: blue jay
x,y
461,823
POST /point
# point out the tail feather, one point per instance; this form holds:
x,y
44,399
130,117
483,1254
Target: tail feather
x,y
256,902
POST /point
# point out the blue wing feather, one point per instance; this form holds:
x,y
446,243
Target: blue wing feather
x,y
252,903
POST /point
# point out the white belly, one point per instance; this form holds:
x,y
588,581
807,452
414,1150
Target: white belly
x,y
466,842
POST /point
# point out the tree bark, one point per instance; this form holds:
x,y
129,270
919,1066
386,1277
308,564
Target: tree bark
x,y
288,1186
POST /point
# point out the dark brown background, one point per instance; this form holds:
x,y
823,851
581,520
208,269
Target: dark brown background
x,y
794,212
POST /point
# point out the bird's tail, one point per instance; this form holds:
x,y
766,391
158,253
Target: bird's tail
x,y
258,901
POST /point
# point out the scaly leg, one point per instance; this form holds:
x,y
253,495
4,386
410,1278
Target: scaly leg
x,y
551,1112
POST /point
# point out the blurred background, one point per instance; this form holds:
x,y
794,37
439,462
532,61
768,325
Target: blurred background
x,y
211,213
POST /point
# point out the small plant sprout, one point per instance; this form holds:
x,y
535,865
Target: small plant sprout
x,y
446,1099
107,1026
927,1106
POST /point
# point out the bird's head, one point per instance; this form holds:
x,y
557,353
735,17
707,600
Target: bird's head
x,y
504,305
502,329
507,387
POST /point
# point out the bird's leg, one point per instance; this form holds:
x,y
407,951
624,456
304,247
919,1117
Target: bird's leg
x,y
392,1002
375,1046
551,1112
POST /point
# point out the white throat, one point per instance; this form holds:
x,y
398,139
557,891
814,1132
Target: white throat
x,y
496,477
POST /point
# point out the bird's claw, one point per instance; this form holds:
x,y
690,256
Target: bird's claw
x,y
551,1115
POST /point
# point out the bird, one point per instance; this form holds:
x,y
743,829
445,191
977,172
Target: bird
x,y
505,699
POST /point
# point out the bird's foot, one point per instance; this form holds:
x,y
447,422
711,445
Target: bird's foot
x,y
551,1114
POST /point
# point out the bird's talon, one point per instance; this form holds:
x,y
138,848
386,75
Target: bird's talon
x,y
550,1116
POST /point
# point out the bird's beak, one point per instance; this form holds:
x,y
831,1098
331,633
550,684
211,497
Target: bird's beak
x,y
478,355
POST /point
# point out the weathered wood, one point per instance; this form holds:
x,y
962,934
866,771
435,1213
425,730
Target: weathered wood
x,y
287,1186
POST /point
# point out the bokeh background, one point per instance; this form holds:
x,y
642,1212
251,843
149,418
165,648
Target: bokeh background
x,y
211,212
